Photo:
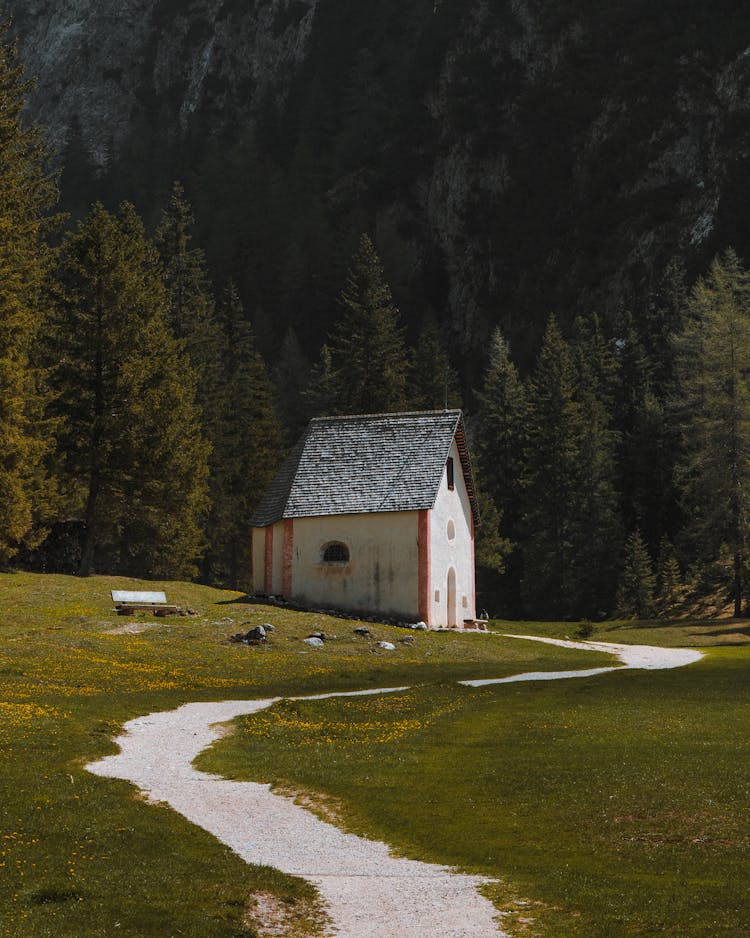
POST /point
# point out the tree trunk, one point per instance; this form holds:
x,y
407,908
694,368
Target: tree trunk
x,y
737,584
89,537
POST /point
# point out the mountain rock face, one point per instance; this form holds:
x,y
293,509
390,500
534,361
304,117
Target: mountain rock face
x,y
100,66
511,159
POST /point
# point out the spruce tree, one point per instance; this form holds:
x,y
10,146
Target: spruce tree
x,y
368,354
600,529
500,425
190,299
647,444
635,595
320,395
713,352
248,449
552,484
668,576
499,439
27,193
191,302
290,376
433,382
133,458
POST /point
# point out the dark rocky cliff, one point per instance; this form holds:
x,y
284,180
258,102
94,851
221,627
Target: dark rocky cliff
x,y
511,158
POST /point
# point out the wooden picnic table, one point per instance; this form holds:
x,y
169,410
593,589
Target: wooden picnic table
x,y
128,602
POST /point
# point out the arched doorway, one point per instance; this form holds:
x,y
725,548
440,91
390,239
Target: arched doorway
x,y
451,598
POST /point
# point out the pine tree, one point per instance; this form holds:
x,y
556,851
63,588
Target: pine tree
x,y
551,520
248,449
713,353
132,454
27,194
320,395
492,548
190,300
433,382
600,529
499,441
635,595
668,576
646,448
500,430
290,376
368,354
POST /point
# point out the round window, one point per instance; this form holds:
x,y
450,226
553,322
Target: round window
x,y
451,531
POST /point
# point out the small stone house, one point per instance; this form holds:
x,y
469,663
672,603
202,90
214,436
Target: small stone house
x,y
373,514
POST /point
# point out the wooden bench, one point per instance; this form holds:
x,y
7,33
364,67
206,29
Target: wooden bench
x,y
127,603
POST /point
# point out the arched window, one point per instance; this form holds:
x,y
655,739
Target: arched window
x,y
336,552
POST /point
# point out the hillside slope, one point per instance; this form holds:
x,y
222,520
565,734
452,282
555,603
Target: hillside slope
x,y
511,158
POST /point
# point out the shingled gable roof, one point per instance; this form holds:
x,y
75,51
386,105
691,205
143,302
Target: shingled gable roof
x,y
366,463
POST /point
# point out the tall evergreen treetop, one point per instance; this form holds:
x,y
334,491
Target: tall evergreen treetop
x,y
247,450
713,362
185,272
501,425
552,485
27,194
433,382
133,456
601,529
367,347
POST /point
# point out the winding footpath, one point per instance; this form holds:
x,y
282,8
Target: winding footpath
x,y
368,892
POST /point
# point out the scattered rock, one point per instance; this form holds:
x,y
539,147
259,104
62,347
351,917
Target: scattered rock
x,y
268,627
255,636
362,630
387,646
314,641
320,635
406,640
421,626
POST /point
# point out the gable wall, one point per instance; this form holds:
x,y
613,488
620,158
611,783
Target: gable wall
x,y
382,574
258,555
457,554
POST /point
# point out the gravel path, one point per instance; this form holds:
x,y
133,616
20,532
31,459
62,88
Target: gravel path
x,y
369,893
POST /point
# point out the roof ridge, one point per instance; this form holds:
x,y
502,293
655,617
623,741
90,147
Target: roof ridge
x,y
396,413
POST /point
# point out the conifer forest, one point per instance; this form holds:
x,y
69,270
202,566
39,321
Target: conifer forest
x,y
170,321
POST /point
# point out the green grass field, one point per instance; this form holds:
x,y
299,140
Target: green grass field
x,y
615,805
84,856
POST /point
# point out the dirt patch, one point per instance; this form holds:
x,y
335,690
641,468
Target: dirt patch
x,y
272,917
135,628
326,807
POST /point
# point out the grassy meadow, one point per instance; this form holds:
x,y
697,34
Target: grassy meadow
x,y
607,806
83,856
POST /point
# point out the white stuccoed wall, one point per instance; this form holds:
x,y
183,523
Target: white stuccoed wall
x,y
451,506
259,550
382,575
277,582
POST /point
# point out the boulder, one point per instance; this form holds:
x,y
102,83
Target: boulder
x,y
421,626
314,641
387,646
362,630
320,635
255,636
